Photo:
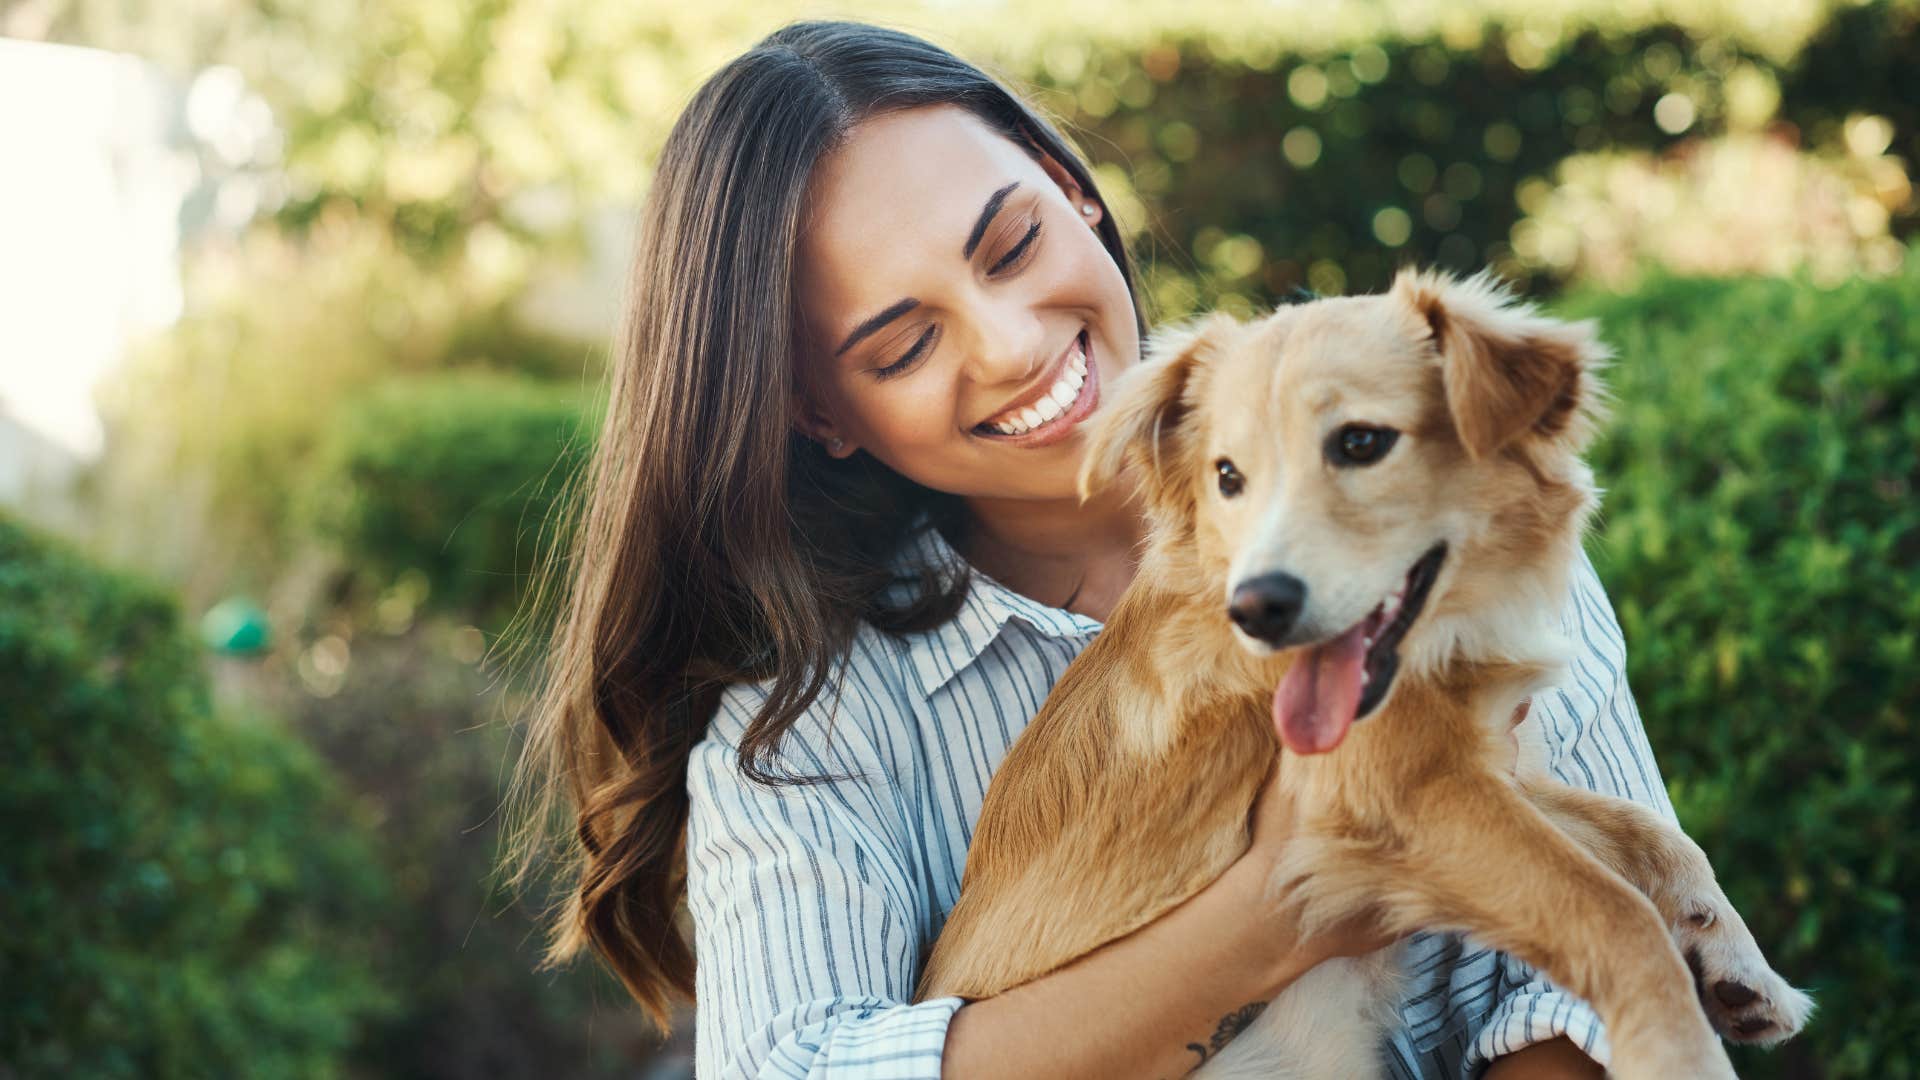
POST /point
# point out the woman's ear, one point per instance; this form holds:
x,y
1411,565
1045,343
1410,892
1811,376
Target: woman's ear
x,y
1508,371
1142,422
1084,204
813,422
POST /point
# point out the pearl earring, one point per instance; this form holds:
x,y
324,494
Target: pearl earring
x,y
837,444
1087,209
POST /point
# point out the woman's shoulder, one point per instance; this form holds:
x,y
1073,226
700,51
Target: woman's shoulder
x,y
908,700
867,689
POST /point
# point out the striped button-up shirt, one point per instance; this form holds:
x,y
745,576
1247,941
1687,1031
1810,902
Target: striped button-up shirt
x,y
814,906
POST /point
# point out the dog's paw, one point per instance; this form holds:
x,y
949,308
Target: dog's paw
x,y
1744,999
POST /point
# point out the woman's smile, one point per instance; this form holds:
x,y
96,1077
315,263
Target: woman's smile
x,y
1050,410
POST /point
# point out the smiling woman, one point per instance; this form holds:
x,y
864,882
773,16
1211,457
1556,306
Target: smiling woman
x,y
832,558
1011,306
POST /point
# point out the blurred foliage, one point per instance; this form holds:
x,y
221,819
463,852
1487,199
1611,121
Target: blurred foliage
x,y
453,476
193,896
240,396
1325,142
1762,547
438,118
184,895
1743,203
406,711
1330,166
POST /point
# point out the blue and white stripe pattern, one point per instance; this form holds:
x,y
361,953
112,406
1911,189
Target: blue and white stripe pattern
x,y
814,906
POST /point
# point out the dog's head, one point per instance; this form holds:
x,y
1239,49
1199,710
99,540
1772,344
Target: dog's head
x,y
1378,481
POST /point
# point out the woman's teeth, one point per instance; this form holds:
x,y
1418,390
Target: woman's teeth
x,y
1052,403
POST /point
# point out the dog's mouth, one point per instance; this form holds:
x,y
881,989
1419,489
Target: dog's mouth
x,y
1343,679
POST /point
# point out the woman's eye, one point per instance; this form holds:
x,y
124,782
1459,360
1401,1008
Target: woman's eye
x,y
1018,249
1015,254
898,366
1231,482
1360,444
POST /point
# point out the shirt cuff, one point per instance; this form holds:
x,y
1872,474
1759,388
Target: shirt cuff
x,y
1534,1013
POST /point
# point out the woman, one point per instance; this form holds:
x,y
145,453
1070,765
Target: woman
x,y
831,562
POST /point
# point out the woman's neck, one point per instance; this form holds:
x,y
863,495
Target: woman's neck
x,y
1061,553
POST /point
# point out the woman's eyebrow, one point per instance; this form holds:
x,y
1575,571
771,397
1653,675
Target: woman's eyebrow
x,y
985,219
901,307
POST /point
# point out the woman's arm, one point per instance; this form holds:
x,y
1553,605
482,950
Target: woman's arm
x,y
1555,1059
1167,997
1155,1003
807,919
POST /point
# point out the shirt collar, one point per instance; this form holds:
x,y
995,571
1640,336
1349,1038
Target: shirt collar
x,y
939,654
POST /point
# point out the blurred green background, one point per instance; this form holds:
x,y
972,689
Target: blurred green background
x,y
255,714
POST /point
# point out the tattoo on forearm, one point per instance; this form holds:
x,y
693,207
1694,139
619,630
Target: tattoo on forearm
x,y
1231,1024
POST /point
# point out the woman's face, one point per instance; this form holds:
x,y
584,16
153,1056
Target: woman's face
x,y
949,283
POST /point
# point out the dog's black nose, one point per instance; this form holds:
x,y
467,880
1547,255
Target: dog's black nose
x,y
1267,606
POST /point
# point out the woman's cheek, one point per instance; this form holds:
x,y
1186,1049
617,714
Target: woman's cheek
x,y
916,426
1090,279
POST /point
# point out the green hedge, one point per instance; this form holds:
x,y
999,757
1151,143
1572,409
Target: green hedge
x,y
453,476
182,896
1761,542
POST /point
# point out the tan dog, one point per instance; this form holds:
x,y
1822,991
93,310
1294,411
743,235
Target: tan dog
x,y
1360,507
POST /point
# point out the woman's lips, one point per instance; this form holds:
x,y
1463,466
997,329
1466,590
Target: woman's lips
x,y
1052,431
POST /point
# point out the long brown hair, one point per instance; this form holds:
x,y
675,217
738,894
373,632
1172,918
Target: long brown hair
x,y
713,544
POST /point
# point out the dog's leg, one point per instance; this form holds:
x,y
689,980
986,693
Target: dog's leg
x,y
1743,997
1485,861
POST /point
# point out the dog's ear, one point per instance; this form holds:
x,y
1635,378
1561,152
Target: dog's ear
x,y
1143,416
1508,371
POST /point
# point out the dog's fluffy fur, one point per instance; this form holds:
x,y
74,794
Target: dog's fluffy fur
x,y
1130,790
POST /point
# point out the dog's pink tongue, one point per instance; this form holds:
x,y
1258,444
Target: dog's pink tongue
x,y
1314,706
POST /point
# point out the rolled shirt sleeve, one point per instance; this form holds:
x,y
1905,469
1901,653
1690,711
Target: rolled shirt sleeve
x,y
808,916
1595,741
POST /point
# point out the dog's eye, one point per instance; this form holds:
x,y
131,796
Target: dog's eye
x,y
1359,444
1231,482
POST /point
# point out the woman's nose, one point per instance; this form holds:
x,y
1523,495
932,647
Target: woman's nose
x,y
1008,349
